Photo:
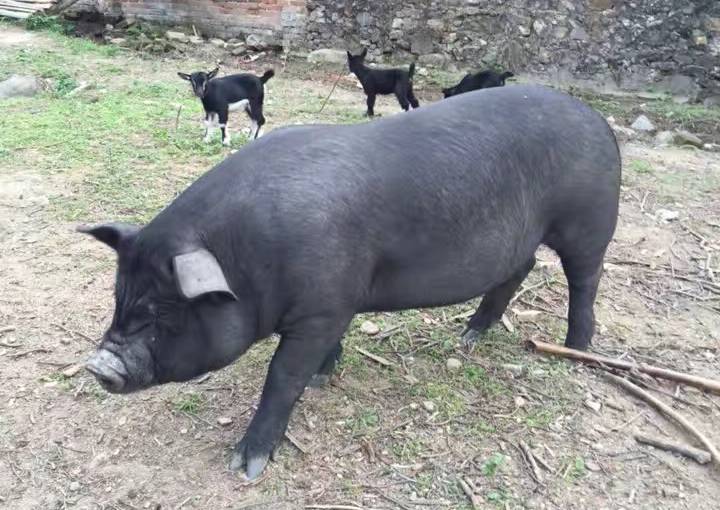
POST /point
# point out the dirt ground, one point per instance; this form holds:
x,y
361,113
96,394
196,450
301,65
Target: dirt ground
x,y
378,437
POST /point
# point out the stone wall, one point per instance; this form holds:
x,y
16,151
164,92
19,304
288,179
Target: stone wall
x,y
668,44
275,22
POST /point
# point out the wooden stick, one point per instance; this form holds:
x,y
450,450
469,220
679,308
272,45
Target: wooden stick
x,y
330,94
699,456
474,499
668,411
374,357
663,373
531,459
177,117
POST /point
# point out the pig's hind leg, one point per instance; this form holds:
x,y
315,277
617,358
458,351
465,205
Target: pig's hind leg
x,y
322,377
494,304
303,351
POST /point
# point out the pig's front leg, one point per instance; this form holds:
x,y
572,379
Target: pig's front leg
x,y
299,356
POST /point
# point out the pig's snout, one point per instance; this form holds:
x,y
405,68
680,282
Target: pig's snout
x,y
108,369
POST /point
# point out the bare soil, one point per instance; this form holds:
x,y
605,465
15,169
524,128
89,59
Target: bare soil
x,y
370,439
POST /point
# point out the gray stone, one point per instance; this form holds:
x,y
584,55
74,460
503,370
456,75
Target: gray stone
x,y
196,39
682,85
699,38
432,60
711,101
683,137
219,43
176,36
436,24
238,50
422,42
539,26
327,56
524,31
453,364
579,34
664,138
363,19
17,86
642,123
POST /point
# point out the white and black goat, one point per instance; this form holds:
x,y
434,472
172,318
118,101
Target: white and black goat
x,y
220,96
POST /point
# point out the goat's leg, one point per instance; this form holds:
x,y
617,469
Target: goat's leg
x,y
210,121
370,105
223,118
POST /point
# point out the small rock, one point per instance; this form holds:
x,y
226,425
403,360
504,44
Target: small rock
x,y
238,50
453,364
538,26
699,38
642,123
369,328
624,133
666,215
196,39
429,406
591,465
414,406
122,421
520,401
686,138
664,138
176,36
218,43
524,31
118,41
224,421
327,56
711,101
19,86
593,404
75,486
515,370
183,431
432,60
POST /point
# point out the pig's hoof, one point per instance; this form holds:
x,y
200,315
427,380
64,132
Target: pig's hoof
x,y
319,380
250,458
470,337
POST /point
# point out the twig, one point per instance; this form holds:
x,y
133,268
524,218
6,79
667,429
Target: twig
x,y
669,412
374,357
297,444
623,425
177,117
333,507
699,456
663,373
330,94
527,289
7,329
22,354
531,460
474,499
12,346
73,332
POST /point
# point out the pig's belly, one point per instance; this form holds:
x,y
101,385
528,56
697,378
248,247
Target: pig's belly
x,y
420,285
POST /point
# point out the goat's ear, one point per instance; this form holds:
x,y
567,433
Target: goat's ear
x,y
364,53
349,54
213,73
112,234
184,76
198,273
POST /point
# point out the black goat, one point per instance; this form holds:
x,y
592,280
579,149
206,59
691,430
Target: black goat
x,y
383,81
229,93
481,80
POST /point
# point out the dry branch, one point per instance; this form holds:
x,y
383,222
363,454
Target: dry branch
x,y
531,460
667,411
475,501
700,456
374,357
331,92
663,373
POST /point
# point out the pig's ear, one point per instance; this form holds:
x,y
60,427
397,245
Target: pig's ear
x,y
111,234
199,273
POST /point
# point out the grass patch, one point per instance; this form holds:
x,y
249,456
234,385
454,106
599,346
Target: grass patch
x,y
491,466
189,403
640,166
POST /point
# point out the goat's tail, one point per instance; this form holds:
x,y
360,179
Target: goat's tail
x,y
506,75
411,71
267,75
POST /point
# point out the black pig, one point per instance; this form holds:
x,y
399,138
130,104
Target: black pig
x,y
302,229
